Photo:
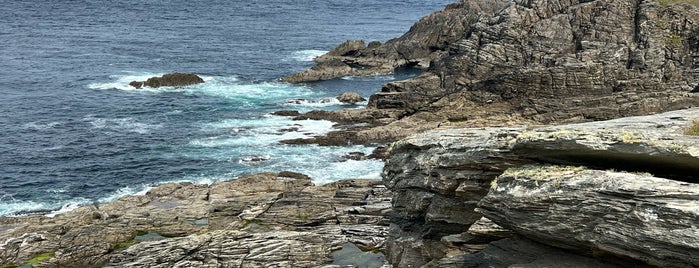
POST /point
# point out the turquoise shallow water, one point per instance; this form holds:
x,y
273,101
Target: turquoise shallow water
x,y
74,133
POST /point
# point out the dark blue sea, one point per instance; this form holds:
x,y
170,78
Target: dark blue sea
x,y
72,132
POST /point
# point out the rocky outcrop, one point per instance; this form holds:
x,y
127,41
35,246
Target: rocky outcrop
x,y
277,219
602,212
427,40
350,98
445,180
169,80
527,62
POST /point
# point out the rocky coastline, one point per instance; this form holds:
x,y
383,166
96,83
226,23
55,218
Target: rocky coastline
x,y
541,133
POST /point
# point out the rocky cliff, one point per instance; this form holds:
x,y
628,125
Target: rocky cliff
x,y
622,191
497,62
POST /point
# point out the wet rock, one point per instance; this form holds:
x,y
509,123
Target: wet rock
x,y
380,153
169,80
350,98
286,113
253,159
357,156
136,84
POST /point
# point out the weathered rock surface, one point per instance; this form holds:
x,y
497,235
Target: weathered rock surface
x,y
350,98
267,219
169,80
497,62
439,178
601,212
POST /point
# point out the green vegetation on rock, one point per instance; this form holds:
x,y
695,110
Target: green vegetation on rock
x,y
39,258
693,129
124,244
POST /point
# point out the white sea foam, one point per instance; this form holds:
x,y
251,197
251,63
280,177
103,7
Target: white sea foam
x,y
72,205
122,81
11,208
374,77
127,124
41,126
307,55
136,190
324,102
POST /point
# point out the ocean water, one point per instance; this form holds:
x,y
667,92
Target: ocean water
x,y
72,132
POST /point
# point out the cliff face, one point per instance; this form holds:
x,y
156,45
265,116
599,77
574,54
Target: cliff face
x,y
528,61
556,60
623,189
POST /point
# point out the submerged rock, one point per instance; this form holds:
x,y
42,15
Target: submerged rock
x,y
169,80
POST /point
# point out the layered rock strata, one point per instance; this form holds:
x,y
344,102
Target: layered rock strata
x,y
445,180
525,62
267,219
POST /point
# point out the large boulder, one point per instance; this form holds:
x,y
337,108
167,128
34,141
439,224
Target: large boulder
x,y
169,80
441,178
607,213
350,98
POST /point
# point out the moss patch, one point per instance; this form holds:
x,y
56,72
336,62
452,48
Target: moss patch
x,y
39,258
124,244
693,129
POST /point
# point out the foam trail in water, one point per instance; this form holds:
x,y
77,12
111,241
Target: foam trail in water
x,y
379,77
40,125
127,124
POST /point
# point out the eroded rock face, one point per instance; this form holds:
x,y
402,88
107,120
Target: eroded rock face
x,y
263,219
169,80
439,178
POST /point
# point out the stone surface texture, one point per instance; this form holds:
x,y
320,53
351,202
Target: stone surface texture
x,y
261,220
444,180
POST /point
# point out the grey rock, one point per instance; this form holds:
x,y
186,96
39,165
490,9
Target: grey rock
x,y
439,177
498,62
256,220
639,217
350,98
